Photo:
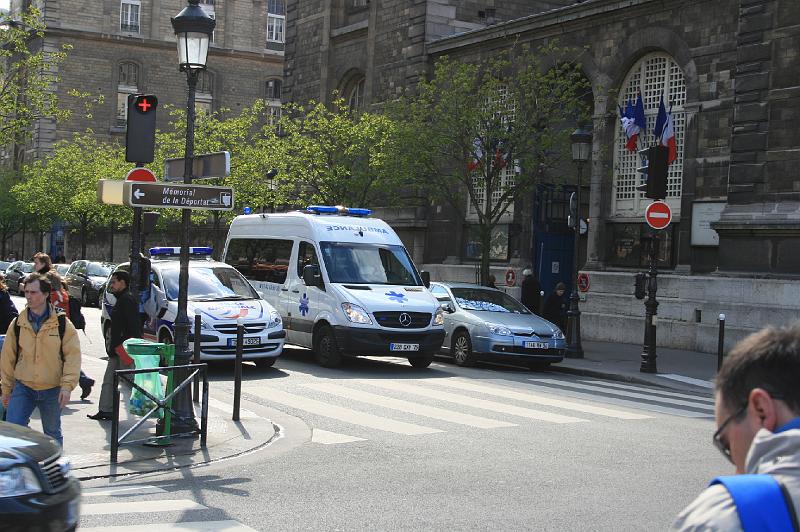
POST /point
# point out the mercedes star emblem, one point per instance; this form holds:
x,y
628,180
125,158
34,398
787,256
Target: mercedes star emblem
x,y
405,319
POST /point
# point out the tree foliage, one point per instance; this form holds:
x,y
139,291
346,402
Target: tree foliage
x,y
484,131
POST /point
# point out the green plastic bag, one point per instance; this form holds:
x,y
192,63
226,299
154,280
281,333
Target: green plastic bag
x,y
139,404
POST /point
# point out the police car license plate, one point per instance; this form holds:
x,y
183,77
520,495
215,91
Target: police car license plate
x,y
403,347
248,340
536,345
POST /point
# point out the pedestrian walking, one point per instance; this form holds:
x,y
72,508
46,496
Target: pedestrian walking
x,y
59,297
555,306
125,323
40,361
531,291
757,410
8,311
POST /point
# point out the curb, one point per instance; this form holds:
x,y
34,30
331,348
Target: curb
x,y
623,377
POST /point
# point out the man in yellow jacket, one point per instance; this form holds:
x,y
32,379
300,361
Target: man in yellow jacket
x,y
46,369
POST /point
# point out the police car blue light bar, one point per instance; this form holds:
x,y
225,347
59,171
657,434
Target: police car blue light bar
x,y
175,251
322,209
357,211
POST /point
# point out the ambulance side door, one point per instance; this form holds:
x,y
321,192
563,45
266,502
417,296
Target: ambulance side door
x,y
302,301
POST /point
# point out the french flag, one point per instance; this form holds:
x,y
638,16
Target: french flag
x,y
633,122
477,152
665,131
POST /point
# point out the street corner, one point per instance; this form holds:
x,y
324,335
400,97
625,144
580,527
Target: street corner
x,y
87,442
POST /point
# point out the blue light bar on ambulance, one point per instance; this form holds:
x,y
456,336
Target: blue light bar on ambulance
x,y
176,251
329,209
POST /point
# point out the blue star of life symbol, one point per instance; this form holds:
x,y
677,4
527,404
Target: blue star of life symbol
x,y
394,296
304,305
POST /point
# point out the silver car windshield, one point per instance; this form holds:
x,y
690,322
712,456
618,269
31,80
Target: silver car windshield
x,y
209,284
351,263
487,300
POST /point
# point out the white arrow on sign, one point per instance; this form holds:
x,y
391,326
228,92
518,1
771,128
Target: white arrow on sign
x,y
138,194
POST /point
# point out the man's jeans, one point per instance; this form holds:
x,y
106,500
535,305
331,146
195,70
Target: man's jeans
x,y
24,400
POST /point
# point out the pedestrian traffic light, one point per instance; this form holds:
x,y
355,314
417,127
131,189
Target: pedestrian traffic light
x,y
639,286
657,170
140,137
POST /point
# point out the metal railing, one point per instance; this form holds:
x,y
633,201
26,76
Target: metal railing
x,y
164,404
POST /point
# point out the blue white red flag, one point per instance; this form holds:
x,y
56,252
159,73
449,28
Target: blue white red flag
x,y
629,125
665,131
477,155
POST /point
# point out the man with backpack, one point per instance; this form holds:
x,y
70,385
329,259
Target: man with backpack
x,y
758,430
40,361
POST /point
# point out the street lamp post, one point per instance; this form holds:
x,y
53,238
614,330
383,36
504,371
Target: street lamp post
x,y
193,29
271,180
581,151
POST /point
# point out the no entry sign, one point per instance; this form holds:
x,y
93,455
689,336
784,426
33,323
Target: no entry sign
x,y
583,282
141,174
658,215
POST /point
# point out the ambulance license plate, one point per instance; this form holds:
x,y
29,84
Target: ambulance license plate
x,y
403,347
536,345
248,340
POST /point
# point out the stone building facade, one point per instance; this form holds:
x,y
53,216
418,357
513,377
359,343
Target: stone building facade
x,y
732,82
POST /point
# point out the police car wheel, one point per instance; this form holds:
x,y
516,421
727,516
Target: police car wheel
x,y
326,351
462,349
421,362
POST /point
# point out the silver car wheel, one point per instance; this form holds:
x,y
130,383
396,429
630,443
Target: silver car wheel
x,y
462,349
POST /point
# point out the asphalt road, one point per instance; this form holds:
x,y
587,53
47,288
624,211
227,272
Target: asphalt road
x,y
378,445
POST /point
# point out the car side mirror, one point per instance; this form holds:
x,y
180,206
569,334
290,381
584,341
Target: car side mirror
x,y
447,307
312,276
426,278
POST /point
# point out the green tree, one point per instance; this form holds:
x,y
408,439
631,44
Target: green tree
x,y
481,133
64,185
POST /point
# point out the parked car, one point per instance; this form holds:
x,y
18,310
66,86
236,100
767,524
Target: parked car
x,y
4,264
16,273
39,491
86,279
62,269
484,323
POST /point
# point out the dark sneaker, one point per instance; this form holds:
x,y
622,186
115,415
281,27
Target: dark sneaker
x,y
100,416
86,390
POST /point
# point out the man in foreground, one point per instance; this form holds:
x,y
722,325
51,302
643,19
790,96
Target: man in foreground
x,y
758,430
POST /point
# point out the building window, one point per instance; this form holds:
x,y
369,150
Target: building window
x,y
273,89
276,21
129,16
204,99
273,98
360,3
355,94
654,75
127,83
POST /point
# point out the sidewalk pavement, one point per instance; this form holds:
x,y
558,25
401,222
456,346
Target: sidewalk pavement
x,y
87,442
677,369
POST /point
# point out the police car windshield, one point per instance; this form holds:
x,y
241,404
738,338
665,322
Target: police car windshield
x,y
488,300
352,263
209,284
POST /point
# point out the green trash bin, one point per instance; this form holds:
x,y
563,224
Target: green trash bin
x,y
147,355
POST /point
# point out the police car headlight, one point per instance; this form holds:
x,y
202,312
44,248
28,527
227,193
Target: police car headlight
x,y
558,335
500,330
274,319
438,318
18,481
356,314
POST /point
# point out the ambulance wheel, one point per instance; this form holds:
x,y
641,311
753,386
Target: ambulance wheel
x,y
421,362
462,349
265,362
326,352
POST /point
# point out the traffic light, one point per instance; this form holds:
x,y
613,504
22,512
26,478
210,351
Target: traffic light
x,y
639,286
140,137
643,170
657,170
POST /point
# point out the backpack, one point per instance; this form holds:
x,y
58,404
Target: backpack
x,y
60,300
62,326
75,315
761,501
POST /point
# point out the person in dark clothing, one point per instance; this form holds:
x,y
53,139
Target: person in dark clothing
x,y
125,323
531,296
59,297
8,311
555,306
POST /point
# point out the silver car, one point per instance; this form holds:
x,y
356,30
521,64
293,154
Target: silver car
x,y
484,323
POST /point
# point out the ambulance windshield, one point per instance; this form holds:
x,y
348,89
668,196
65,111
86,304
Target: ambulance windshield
x,y
352,263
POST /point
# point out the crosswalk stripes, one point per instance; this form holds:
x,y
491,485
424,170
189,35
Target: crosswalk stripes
x,y
652,391
122,504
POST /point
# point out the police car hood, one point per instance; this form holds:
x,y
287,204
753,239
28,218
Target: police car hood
x,y
222,311
381,297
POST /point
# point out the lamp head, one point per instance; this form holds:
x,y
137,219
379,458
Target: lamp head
x,y
581,145
193,28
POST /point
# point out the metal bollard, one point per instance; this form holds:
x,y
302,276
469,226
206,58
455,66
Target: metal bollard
x,y
237,374
196,358
720,349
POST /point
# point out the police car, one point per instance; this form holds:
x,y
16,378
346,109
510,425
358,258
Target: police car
x,y
220,295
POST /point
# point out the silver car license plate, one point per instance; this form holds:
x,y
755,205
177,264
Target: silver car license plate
x,y
248,340
403,347
536,345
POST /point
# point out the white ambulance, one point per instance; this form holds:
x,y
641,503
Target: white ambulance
x,y
343,283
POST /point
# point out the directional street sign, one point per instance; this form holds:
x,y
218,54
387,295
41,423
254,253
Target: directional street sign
x,y
204,166
658,215
169,196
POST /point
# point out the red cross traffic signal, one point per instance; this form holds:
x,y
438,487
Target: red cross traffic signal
x,y
140,137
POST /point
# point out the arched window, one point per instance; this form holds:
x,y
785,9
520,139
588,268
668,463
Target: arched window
x,y
127,83
354,94
655,74
204,97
